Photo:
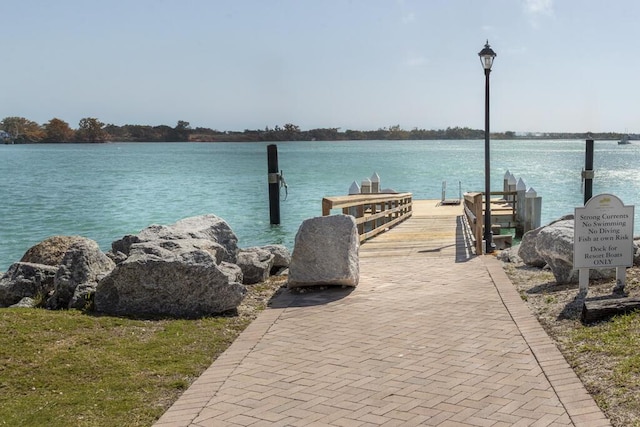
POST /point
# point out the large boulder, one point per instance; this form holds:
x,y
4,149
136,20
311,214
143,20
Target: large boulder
x,y
527,249
554,243
80,270
188,250
201,228
25,279
50,251
325,252
256,264
154,281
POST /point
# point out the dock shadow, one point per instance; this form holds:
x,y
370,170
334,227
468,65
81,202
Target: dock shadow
x,y
310,296
464,242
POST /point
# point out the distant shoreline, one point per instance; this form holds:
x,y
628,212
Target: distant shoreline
x,y
20,130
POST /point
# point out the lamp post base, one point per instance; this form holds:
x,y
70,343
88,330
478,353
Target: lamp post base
x,y
488,247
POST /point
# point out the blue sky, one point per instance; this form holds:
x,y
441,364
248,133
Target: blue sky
x,y
562,65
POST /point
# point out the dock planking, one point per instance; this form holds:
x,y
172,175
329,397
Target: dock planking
x,y
433,230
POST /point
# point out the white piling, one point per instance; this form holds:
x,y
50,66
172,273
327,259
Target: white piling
x,y
365,186
521,189
354,189
375,183
511,186
505,181
533,210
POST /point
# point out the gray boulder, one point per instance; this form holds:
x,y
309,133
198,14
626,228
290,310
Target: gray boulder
x,y
527,249
509,255
188,250
201,228
554,243
636,251
50,251
82,266
256,264
325,252
25,302
161,283
24,279
282,256
186,269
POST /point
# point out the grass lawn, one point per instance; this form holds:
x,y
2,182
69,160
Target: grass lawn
x,y
68,368
606,355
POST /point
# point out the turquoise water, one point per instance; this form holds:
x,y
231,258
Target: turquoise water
x,y
104,191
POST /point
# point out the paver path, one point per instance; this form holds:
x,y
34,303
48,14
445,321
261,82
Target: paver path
x,y
429,337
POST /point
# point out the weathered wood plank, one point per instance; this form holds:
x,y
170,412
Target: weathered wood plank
x,y
596,310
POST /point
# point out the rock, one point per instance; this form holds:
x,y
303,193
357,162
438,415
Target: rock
x,y
256,264
186,269
554,243
527,249
83,265
50,251
509,255
282,256
636,251
190,251
325,252
201,228
24,279
154,281
25,302
117,257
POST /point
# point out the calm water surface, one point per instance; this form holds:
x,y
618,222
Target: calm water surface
x,y
104,191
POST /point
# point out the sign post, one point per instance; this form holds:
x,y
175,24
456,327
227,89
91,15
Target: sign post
x,y
603,238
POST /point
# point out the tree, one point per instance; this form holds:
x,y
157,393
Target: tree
x,y
22,130
91,129
181,132
291,132
58,131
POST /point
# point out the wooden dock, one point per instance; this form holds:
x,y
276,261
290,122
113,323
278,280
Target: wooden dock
x,y
433,230
434,220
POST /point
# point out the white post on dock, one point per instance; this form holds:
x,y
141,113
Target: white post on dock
x,y
365,186
505,181
537,211
375,183
354,189
511,186
521,189
533,209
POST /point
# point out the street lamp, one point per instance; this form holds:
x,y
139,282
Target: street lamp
x,y
486,58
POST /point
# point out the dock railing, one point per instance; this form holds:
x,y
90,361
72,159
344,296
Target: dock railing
x,y
504,211
374,213
473,211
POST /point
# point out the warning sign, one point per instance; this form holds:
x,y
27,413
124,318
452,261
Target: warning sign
x,y
603,233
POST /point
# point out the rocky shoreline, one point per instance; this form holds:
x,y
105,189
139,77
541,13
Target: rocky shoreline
x,y
191,268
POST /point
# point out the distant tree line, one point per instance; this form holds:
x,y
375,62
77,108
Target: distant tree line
x,y
21,130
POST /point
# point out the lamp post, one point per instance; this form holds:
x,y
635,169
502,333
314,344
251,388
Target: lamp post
x,y
486,58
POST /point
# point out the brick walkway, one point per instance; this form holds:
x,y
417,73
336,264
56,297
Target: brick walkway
x,y
429,337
